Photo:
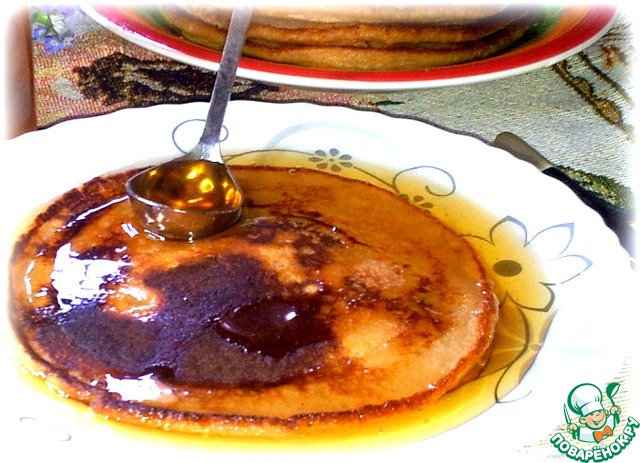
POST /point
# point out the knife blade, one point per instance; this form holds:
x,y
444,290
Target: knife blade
x,y
616,219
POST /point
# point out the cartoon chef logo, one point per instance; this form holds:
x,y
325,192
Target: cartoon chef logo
x,y
592,427
596,422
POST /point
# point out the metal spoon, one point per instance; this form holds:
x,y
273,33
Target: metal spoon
x,y
196,195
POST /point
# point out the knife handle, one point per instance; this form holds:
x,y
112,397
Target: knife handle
x,y
619,221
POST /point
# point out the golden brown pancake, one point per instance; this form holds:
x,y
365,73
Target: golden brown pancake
x,y
384,38
368,13
331,301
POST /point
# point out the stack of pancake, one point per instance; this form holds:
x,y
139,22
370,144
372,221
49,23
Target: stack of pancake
x,y
362,37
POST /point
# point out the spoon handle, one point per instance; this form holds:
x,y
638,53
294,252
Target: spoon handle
x,y
208,146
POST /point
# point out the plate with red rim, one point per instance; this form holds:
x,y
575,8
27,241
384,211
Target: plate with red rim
x,y
563,32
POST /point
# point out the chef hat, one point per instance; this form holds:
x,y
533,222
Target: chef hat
x,y
585,398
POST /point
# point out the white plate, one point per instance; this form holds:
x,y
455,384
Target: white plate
x,y
577,264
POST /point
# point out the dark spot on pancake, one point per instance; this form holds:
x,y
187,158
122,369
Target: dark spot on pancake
x,y
311,252
107,251
121,343
275,326
260,231
216,320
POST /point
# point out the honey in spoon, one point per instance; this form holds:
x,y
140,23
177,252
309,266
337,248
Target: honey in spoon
x,y
194,185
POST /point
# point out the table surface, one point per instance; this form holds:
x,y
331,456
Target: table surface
x,y
577,112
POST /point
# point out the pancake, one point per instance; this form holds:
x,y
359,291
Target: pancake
x,y
383,38
369,13
329,303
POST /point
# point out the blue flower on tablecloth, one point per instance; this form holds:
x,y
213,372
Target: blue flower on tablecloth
x,y
54,44
50,27
39,32
518,259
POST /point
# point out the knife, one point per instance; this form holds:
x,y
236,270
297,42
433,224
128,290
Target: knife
x,y
617,220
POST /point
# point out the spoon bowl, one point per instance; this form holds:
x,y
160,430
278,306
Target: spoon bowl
x,y
196,194
186,199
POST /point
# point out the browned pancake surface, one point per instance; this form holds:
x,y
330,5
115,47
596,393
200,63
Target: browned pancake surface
x,y
329,298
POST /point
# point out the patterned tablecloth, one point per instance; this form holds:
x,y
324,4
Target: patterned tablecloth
x,y
578,112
